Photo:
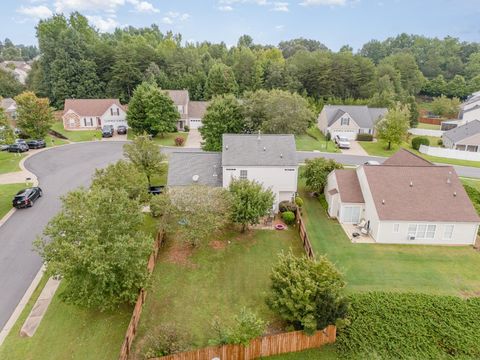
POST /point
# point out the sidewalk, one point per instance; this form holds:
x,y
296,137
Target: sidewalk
x,y
23,175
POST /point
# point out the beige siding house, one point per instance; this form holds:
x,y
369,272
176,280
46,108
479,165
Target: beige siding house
x,y
191,112
406,200
90,114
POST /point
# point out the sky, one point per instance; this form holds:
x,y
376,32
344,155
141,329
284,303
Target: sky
x,y
332,22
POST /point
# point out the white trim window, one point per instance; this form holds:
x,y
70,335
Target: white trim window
x,y
345,121
448,232
88,122
396,228
243,174
422,231
71,123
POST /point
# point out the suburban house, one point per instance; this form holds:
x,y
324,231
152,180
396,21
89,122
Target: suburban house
x,y
405,200
349,120
268,159
9,106
19,69
90,114
470,108
465,137
191,112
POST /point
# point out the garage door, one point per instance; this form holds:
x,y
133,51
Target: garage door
x,y
195,123
349,134
350,214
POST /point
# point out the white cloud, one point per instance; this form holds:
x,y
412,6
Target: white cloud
x,y
280,27
280,6
103,24
173,16
225,8
228,5
143,6
37,12
323,2
86,5
167,20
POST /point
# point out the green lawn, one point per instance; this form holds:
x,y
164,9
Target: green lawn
x,y
475,183
77,136
191,291
314,140
368,267
9,162
428,126
70,332
6,194
326,352
167,140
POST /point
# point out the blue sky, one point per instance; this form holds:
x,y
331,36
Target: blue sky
x,y
333,22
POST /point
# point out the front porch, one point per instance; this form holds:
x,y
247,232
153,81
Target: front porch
x,y
362,238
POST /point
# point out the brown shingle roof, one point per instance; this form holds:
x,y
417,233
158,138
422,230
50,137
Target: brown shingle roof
x,y
405,157
90,107
196,109
419,193
348,186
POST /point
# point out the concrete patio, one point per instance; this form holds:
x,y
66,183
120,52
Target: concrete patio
x,y
362,239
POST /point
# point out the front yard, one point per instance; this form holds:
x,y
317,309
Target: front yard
x,y
9,161
190,288
166,140
77,136
7,192
314,140
368,267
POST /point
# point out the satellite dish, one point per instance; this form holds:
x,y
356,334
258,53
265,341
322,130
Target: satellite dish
x,y
195,178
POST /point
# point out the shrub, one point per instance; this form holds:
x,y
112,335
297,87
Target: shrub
x,y
385,325
420,140
288,217
299,201
364,137
186,128
287,206
316,173
166,339
323,201
159,205
440,142
179,141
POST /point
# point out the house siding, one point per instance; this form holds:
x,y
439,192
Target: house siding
x,y
370,212
473,140
350,131
472,114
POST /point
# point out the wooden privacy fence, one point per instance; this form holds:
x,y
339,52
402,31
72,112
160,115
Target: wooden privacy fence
x,y
307,246
137,310
263,346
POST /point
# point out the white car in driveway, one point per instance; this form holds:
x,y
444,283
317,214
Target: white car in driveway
x,y
342,142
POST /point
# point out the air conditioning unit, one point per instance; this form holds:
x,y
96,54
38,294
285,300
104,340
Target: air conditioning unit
x,y
411,237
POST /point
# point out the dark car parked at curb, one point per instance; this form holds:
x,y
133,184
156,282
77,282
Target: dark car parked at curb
x,y
107,131
18,148
36,144
26,197
121,130
156,190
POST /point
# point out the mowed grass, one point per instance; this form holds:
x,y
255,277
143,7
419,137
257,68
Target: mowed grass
x,y
213,282
428,126
7,192
314,140
475,183
71,332
326,352
9,161
79,135
367,267
165,140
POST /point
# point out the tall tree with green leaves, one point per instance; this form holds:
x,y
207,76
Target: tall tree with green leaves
x,y
224,115
9,85
102,259
220,80
250,202
34,115
7,136
393,128
316,172
151,110
145,155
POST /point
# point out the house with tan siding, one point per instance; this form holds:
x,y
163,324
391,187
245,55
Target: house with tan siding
x,y
91,114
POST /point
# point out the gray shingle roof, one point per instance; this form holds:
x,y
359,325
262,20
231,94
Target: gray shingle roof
x,y
462,132
196,109
179,97
259,150
364,116
183,166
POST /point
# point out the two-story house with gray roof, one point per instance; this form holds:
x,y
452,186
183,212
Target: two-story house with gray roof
x,y
268,159
349,120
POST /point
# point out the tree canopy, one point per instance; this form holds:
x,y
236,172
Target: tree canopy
x,y
34,115
393,128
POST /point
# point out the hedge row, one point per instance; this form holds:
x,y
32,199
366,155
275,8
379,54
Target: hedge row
x,y
411,326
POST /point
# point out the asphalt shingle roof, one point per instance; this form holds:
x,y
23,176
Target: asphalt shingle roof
x,y
259,150
183,166
462,132
364,116
349,186
90,107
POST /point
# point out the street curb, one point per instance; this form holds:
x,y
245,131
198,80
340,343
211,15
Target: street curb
x,y
7,216
21,305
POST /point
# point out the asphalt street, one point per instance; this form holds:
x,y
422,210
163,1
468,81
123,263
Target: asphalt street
x,y
59,170
62,169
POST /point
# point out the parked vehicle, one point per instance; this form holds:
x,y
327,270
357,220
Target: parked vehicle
x,y
121,130
36,144
156,190
18,148
4,147
26,197
107,131
342,142
372,162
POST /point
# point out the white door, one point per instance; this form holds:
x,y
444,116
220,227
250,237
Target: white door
x,y
350,214
195,123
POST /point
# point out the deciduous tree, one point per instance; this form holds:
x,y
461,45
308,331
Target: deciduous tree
x,y
393,128
316,172
34,115
220,80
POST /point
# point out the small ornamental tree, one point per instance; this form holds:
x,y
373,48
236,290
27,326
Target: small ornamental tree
x,y
197,212
250,202
145,155
34,115
307,293
7,136
96,245
393,128
316,172
122,175
151,110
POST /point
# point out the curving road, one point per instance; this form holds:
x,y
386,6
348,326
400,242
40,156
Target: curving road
x,y
60,170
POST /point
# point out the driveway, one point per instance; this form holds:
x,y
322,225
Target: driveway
x,y
355,149
194,139
59,170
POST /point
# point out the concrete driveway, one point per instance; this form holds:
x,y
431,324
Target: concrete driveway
x,y
355,149
194,139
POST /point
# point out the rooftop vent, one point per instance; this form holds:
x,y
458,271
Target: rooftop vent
x,y
449,181
264,148
411,183
383,201
195,178
281,155
226,147
454,193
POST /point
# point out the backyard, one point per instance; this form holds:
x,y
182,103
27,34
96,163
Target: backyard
x,y
7,191
314,140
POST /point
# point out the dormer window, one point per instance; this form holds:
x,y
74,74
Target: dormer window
x,y
345,121
180,109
